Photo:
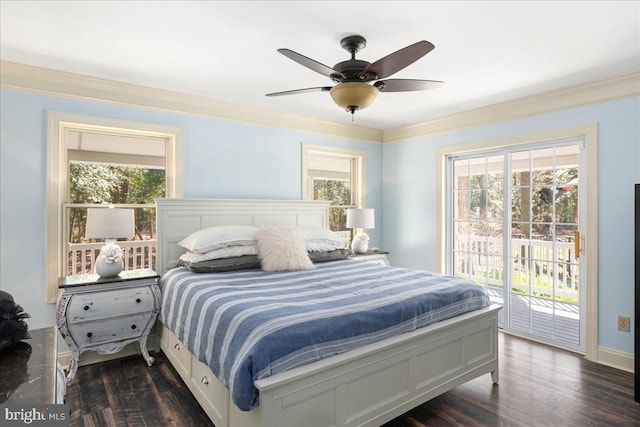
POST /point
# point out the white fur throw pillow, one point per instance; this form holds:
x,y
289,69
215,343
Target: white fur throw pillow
x,y
282,249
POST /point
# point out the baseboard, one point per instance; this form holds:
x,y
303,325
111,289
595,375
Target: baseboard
x,y
616,359
606,356
91,357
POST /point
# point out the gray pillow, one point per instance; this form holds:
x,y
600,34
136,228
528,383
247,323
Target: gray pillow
x,y
334,255
246,262
243,262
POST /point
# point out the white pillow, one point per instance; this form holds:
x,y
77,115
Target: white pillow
x,y
208,239
282,249
228,252
320,239
323,246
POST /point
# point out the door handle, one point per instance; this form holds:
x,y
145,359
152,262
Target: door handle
x,y
576,244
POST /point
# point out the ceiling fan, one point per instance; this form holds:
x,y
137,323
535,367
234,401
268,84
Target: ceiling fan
x,y
357,81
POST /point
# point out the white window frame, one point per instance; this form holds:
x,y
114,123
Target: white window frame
x,y
358,174
58,126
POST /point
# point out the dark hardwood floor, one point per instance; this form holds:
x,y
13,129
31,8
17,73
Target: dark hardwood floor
x,y
539,386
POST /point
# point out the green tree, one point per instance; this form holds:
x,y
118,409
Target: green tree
x,y
339,193
95,183
143,186
91,183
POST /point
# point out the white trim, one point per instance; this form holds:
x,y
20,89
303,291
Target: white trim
x,y
616,359
571,97
69,85
591,239
58,124
359,178
56,180
590,134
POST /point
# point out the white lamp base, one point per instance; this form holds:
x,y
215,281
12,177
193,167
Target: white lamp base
x,y
360,243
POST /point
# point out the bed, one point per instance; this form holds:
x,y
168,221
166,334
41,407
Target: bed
x,y
367,385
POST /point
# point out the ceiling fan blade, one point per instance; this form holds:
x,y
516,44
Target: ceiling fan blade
x,y
406,85
310,63
296,91
399,59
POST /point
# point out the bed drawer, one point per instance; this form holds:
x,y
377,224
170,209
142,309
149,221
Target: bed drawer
x,y
210,392
177,352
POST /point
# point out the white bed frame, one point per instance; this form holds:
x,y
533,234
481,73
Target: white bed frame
x,y
367,386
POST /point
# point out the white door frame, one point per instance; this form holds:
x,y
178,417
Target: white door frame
x,y
589,133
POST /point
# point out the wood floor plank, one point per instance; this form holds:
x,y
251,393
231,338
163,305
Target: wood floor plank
x,y
94,397
539,386
117,409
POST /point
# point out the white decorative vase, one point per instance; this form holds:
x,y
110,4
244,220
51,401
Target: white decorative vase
x,y
360,243
104,268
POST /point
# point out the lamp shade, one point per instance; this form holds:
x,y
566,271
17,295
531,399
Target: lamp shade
x,y
109,223
353,95
361,218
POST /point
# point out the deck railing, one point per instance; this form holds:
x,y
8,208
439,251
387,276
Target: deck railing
x,y
137,254
544,268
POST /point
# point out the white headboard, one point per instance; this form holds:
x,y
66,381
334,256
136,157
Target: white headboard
x,y
177,218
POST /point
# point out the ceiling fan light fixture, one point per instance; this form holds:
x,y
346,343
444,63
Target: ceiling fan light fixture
x,y
354,89
353,96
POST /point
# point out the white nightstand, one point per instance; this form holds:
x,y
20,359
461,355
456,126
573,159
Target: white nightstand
x,y
105,314
379,257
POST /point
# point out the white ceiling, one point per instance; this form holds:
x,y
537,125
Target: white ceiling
x,y
486,51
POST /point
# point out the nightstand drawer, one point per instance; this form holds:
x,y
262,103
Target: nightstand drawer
x,y
100,305
380,261
373,257
115,329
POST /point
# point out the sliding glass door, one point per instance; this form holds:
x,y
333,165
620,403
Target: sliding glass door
x,y
515,228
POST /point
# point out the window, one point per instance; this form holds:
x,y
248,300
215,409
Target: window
x,y
336,175
93,161
117,169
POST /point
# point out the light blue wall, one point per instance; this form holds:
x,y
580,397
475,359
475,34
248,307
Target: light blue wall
x,y
223,159
234,160
409,203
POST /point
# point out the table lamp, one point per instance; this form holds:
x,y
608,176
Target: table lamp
x,y
109,224
360,219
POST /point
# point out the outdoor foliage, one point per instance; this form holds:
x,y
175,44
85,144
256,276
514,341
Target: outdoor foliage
x,y
479,204
485,203
339,193
95,183
526,196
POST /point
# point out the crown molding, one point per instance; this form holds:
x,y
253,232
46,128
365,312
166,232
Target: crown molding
x,y
69,85
59,83
570,97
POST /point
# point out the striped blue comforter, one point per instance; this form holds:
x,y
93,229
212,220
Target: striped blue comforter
x,y
246,325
